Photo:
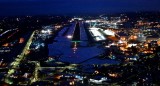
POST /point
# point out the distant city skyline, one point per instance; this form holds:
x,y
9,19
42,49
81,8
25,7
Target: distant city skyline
x,y
75,7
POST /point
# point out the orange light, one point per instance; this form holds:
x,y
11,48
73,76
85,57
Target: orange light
x,y
5,45
158,42
21,40
123,38
113,74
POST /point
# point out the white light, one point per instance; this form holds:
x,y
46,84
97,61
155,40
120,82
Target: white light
x,y
107,46
98,36
43,31
69,37
98,81
109,32
120,41
130,45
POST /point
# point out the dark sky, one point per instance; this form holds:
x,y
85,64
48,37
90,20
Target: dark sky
x,y
66,7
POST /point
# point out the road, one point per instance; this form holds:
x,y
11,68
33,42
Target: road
x,y
35,74
14,65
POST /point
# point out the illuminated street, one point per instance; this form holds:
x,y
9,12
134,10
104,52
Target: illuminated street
x,y
19,58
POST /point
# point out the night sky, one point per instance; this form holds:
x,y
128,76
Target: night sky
x,y
75,7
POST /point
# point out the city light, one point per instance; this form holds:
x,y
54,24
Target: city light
x,y
119,49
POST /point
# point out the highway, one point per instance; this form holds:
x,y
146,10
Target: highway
x,y
5,36
14,65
